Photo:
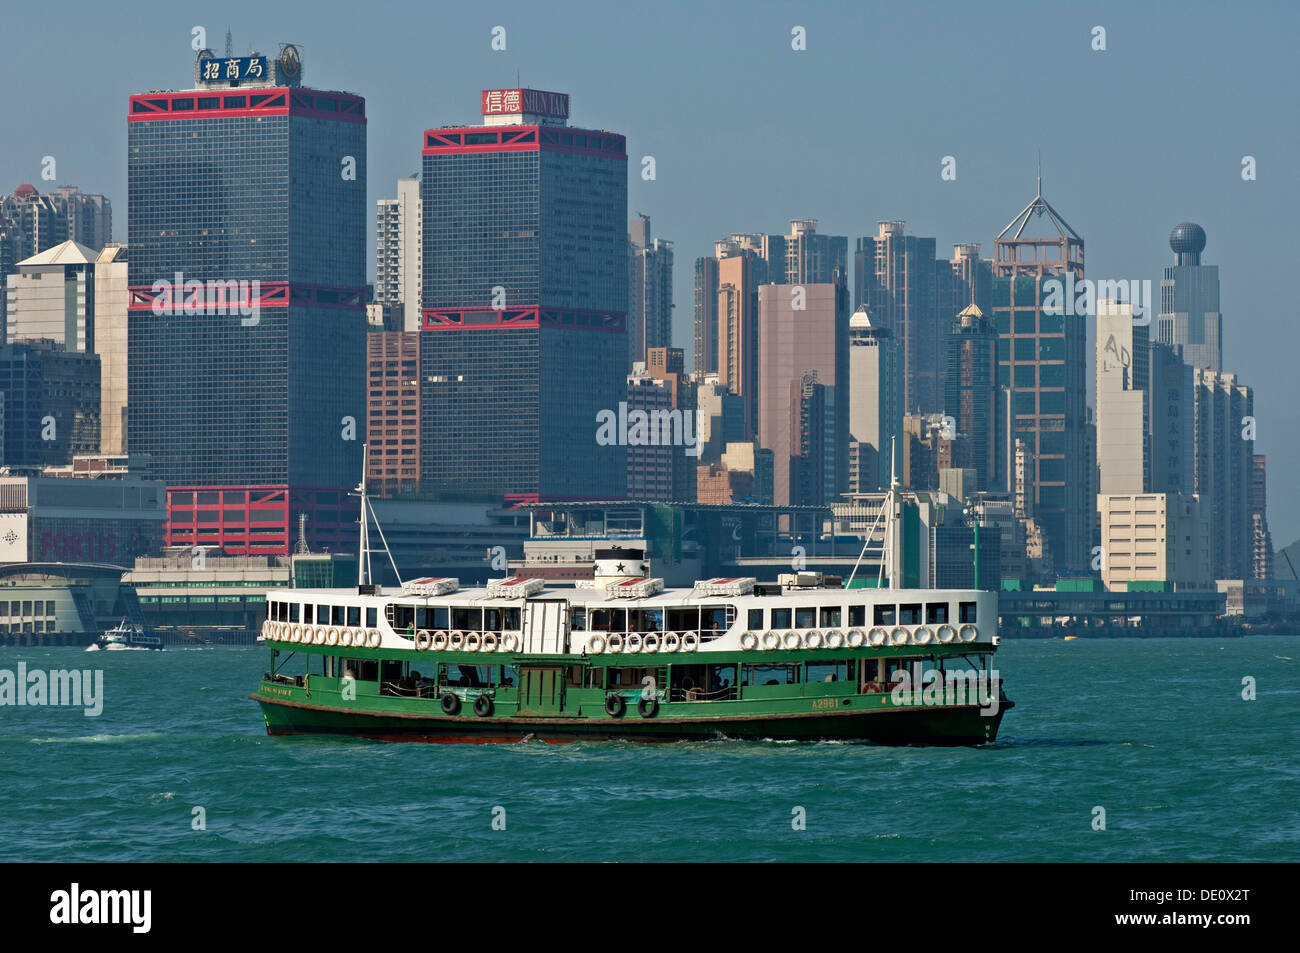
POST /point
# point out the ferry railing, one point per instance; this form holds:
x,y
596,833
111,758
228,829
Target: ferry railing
x,y
726,693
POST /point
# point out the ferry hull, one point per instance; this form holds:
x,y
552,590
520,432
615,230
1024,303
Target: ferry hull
x,y
950,725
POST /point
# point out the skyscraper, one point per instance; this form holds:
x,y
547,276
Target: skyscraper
x,y
737,316
895,278
972,396
1042,353
875,417
1189,320
525,301
398,253
650,291
246,222
1123,399
1223,461
706,316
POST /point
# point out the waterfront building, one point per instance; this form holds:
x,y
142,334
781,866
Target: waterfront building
x,y
525,302
49,404
76,519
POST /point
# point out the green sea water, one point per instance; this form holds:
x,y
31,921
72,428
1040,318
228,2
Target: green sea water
x,y
1155,733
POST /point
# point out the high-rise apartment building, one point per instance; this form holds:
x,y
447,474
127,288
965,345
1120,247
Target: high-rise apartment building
x,y
1042,353
1123,398
706,316
895,277
398,253
972,397
875,415
1189,320
650,290
52,297
246,224
393,412
1222,464
525,302
112,301
737,317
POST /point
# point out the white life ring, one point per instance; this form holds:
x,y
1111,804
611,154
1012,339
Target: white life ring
x,y
813,640
423,639
473,640
790,640
898,636
629,645
968,633
616,641
771,640
317,636
331,635
456,640
490,642
510,642
439,641
374,639
344,637
856,638
294,627
922,636
878,636
690,642
834,639
946,633
596,645
672,641
749,641
652,642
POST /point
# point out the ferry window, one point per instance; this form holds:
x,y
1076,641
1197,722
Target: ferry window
x,y
885,615
936,613
805,617
336,615
372,617
833,671
573,675
509,674
781,674
492,620
422,617
403,618
647,620
464,617
470,676
512,618
617,620
683,620
600,620
306,613
578,619
781,618
857,615
624,679
966,612
830,616
713,620
293,612
755,619
323,615
440,617
354,616
909,613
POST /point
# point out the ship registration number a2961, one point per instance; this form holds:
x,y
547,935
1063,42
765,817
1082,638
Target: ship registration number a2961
x,y
818,703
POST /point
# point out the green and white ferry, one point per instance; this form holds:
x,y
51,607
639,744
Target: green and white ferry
x,y
621,656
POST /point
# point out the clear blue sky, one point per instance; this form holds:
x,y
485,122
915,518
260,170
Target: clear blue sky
x,y
748,133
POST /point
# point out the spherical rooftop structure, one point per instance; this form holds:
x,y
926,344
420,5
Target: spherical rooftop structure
x,y
1187,238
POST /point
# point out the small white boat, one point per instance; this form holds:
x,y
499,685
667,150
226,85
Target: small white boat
x,y
125,637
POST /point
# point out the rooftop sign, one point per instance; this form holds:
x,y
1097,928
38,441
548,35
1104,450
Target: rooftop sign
x,y
529,102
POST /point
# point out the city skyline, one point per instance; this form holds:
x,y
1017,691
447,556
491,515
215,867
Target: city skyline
x,y
1153,103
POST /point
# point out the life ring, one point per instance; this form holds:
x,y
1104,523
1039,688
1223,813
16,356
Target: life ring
x,y
922,636
647,707
331,636
629,645
596,644
345,636
652,642
450,703
318,636
283,632
423,639
472,641
296,629
749,641
834,639
374,639
616,641
690,642
672,642
945,633
483,705
439,641
790,640
490,642
898,636
877,637
510,642
813,640
456,640
968,633
855,639
615,706
266,630
771,640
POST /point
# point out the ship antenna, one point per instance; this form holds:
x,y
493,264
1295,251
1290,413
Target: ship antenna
x,y
886,506
367,514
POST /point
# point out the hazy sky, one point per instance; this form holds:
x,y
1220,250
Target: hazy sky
x,y
748,133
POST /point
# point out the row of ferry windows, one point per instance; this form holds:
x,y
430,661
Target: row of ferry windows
x,y
830,617
312,614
